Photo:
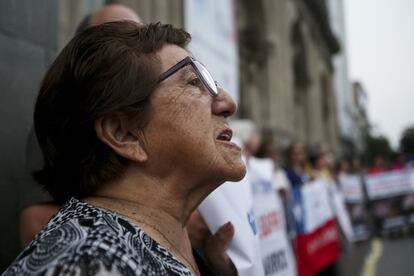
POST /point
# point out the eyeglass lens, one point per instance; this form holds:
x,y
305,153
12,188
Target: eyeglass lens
x,y
207,77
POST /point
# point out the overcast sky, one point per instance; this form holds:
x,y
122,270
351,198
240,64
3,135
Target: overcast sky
x,y
380,45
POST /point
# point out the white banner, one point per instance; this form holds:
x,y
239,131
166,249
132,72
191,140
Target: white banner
x,y
322,201
277,256
233,202
390,184
351,188
410,173
342,215
316,204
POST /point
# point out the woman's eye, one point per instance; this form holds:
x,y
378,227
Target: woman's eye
x,y
195,82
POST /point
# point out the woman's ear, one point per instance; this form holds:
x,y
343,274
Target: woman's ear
x,y
112,131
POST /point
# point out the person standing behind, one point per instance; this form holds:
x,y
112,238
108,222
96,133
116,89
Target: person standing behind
x,y
295,164
268,149
378,165
319,170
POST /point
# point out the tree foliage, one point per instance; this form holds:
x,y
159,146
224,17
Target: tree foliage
x,y
407,141
378,146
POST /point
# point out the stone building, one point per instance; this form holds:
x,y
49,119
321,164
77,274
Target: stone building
x,y
352,142
286,47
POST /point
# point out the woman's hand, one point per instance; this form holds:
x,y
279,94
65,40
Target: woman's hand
x,y
197,230
214,246
215,250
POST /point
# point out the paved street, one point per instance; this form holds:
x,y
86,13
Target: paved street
x,y
379,257
398,258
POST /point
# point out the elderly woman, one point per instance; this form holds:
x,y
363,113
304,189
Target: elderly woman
x,y
134,133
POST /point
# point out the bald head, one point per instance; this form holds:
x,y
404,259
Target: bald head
x,y
113,12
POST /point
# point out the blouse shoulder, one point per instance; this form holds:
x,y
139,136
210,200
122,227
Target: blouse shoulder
x,y
84,240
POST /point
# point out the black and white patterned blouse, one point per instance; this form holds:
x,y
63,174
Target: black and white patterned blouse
x,y
84,240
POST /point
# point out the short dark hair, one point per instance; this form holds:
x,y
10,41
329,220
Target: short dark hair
x,y
110,68
288,153
314,153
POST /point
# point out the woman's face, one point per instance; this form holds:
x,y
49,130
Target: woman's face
x,y
188,130
344,166
298,155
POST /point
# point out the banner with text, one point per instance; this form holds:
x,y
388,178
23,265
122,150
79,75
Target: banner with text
x,y
390,184
351,188
233,202
276,252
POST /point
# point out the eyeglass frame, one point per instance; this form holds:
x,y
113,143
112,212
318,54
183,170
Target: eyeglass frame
x,y
184,62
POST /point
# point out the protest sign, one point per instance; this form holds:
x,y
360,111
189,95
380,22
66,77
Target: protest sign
x,y
316,243
233,202
276,252
338,203
351,188
389,184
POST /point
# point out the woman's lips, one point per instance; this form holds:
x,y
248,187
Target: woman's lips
x,y
225,135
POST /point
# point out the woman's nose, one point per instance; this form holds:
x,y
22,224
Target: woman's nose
x,y
223,104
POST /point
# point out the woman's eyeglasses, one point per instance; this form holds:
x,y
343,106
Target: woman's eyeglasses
x,y
200,71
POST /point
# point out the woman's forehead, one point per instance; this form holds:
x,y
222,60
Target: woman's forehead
x,y
170,55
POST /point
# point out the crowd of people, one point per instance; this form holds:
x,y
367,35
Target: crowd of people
x,y
146,174
352,187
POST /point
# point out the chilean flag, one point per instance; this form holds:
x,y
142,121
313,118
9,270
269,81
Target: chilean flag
x,y
316,242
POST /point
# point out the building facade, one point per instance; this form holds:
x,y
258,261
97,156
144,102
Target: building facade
x,y
348,110
286,50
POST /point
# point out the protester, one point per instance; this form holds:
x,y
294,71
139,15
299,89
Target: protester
x,y
270,204
378,165
315,233
320,163
280,182
399,162
134,136
295,157
37,205
350,178
268,149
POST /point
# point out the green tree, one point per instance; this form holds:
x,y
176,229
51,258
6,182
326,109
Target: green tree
x,y
407,141
378,146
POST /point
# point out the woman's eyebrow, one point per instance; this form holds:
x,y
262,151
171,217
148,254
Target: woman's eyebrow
x,y
185,72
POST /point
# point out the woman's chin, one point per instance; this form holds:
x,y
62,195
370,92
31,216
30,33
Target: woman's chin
x,y
237,173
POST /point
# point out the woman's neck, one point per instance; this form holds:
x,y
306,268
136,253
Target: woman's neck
x,y
298,168
146,216
171,198
160,207
155,222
